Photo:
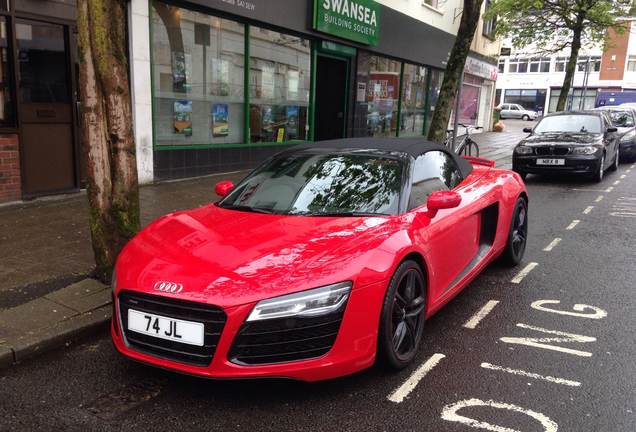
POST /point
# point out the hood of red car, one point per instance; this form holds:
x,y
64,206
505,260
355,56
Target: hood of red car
x,y
229,257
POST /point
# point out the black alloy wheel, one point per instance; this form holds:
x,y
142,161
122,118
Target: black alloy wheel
x,y
403,316
614,166
600,172
517,235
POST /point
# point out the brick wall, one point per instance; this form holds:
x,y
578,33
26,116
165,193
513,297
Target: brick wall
x,y
10,189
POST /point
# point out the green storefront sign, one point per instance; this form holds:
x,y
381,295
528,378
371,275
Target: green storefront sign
x,y
356,20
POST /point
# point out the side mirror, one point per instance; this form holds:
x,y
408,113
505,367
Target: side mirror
x,y
440,200
612,129
527,130
223,188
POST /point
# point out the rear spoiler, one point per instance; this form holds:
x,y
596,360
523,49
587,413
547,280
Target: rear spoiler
x,y
480,161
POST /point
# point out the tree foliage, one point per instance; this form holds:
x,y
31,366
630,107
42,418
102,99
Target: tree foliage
x,y
556,25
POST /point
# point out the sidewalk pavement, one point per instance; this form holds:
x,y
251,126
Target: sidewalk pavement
x,y
47,298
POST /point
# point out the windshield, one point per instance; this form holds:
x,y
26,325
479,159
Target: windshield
x,y
308,183
621,118
575,123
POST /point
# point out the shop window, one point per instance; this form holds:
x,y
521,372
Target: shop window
x,y
279,86
576,100
378,83
437,77
631,63
198,66
533,99
469,104
413,101
7,116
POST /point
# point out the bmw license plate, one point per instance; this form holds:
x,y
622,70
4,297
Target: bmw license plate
x,y
550,161
176,330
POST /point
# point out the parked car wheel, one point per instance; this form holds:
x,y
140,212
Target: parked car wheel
x,y
517,235
403,315
525,117
614,166
600,172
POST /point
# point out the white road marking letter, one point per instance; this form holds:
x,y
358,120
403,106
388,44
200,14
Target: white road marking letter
x,y
449,413
596,313
544,342
403,391
523,273
552,244
599,198
588,209
531,375
574,223
481,314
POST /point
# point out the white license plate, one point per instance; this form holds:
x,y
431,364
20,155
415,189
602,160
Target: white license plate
x,y
550,161
176,330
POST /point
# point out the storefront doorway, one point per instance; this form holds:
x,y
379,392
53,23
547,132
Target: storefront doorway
x,y
45,106
332,74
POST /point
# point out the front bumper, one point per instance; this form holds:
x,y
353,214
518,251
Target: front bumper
x,y
579,164
353,350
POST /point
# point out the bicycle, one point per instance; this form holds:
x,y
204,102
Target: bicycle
x,y
466,146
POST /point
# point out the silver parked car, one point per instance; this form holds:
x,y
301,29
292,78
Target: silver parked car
x,y
516,111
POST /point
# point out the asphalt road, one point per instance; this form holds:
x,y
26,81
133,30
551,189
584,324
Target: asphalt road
x,y
523,367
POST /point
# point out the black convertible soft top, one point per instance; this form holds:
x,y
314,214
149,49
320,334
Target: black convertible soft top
x,y
410,146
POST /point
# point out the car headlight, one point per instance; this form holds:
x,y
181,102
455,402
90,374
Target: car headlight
x,y
318,301
523,149
585,150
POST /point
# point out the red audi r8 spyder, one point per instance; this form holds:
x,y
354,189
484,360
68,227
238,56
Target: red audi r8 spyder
x,y
323,259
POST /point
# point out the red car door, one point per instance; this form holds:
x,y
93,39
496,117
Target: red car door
x,y
450,240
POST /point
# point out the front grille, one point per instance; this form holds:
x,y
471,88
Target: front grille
x,y
212,317
552,151
285,339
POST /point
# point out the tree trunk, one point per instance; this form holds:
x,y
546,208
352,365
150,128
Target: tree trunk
x,y
570,68
454,70
106,130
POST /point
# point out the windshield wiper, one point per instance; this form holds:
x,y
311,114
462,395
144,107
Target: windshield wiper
x,y
336,214
246,208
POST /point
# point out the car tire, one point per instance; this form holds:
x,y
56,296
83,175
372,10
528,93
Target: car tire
x,y
600,172
403,316
517,234
614,166
525,117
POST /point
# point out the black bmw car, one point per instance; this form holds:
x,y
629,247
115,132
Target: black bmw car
x,y
624,119
577,142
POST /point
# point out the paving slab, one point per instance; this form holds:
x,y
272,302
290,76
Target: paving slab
x,y
61,334
53,321
82,296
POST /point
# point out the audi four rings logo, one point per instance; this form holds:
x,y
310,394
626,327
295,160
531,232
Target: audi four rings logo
x,y
168,287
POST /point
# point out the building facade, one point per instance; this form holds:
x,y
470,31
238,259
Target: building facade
x,y
535,81
39,151
220,85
